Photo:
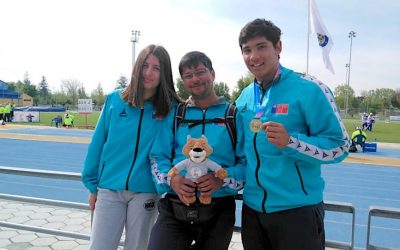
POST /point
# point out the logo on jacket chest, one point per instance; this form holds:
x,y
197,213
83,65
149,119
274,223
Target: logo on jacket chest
x,y
123,113
280,109
154,116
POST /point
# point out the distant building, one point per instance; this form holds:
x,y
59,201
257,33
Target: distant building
x,y
9,96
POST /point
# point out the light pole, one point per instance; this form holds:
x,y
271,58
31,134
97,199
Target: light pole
x,y
351,35
134,40
346,89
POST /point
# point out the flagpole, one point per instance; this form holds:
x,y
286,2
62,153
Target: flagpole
x,y
308,34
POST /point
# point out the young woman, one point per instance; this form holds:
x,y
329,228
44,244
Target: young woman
x,y
117,169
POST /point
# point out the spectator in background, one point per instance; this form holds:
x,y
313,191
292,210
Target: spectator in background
x,y
358,137
68,121
12,111
2,114
57,121
370,121
364,119
7,112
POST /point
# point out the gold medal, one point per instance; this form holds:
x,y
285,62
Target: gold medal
x,y
255,125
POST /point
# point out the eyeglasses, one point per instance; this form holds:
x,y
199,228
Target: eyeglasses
x,y
197,73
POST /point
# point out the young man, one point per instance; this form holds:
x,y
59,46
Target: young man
x,y
180,225
291,127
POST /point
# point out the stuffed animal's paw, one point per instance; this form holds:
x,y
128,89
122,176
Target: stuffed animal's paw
x,y
221,174
205,199
188,200
173,172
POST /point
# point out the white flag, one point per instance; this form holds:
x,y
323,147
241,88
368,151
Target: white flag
x,y
324,38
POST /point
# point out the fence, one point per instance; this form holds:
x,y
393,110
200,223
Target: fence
x,y
339,207
383,212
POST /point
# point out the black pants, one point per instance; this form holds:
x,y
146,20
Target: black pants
x,y
170,233
293,229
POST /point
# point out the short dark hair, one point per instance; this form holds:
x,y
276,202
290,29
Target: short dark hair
x,y
192,59
165,94
260,27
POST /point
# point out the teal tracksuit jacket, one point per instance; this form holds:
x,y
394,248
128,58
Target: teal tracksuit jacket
x,y
117,157
167,149
280,179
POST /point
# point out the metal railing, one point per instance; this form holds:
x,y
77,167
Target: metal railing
x,y
341,207
57,203
56,232
383,212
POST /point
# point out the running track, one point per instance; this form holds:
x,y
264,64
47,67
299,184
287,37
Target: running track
x,y
362,185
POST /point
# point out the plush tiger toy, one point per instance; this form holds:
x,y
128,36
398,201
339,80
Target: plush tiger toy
x,y
197,164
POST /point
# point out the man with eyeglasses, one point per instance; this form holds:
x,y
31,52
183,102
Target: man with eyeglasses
x,y
183,226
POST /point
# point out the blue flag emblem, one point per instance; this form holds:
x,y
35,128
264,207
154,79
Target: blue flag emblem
x,y
322,40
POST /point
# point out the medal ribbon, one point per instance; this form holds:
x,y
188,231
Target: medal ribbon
x,y
260,107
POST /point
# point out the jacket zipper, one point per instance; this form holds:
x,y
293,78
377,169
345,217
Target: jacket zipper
x,y
101,172
136,149
203,129
301,179
257,171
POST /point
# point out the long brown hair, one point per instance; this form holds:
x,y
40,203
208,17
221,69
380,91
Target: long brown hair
x,y
165,94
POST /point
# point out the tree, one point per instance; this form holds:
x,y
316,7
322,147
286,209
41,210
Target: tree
x,y
43,91
385,96
181,89
70,87
396,99
242,83
222,89
82,93
340,93
378,100
98,95
29,89
122,82
16,86
59,98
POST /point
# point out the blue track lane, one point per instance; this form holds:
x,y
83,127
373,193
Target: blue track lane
x,y
359,184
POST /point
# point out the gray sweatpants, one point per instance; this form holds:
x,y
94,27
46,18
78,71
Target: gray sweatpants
x,y
115,210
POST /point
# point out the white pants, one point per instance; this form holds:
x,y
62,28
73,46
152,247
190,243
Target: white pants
x,y
115,210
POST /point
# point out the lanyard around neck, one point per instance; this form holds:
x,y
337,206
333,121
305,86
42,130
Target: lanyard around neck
x,y
261,100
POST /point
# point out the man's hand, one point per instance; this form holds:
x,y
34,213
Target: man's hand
x,y
184,188
276,133
208,183
92,201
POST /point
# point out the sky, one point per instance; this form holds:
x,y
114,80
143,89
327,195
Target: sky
x,y
90,40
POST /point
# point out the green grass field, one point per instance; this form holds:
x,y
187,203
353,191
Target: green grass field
x,y
382,132
80,120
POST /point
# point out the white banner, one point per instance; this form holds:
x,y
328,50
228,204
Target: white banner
x,y
26,116
394,118
85,105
